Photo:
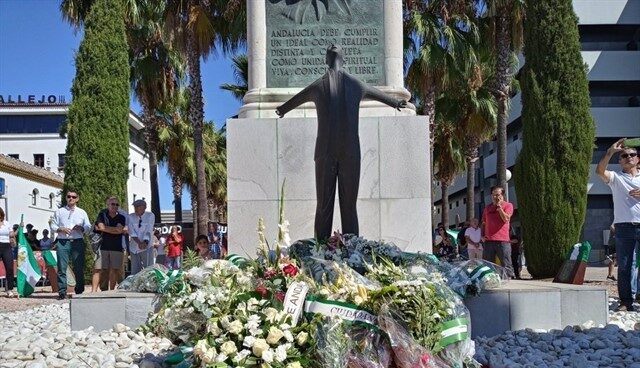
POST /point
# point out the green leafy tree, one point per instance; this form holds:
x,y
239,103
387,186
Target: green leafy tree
x,y
553,167
97,125
241,74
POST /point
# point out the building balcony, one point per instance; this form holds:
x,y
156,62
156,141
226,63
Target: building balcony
x,y
612,65
616,122
607,12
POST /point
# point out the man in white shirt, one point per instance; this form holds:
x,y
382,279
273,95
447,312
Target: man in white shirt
x,y
70,223
473,234
625,190
140,224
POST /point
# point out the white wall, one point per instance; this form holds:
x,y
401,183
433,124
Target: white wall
x,y
18,200
26,145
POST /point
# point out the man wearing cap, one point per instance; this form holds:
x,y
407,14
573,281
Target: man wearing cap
x,y
140,225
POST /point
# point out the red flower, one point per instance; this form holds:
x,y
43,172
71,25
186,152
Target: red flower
x,y
269,274
280,296
290,270
262,290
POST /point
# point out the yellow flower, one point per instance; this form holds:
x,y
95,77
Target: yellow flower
x,y
275,334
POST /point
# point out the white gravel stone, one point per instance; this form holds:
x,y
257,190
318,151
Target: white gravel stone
x,y
41,338
615,345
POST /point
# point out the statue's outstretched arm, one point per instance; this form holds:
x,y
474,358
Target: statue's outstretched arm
x,y
372,93
306,95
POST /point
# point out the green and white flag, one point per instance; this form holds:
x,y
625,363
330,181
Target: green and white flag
x,y
50,257
28,268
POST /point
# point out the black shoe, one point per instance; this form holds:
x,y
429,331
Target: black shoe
x,y
61,297
625,308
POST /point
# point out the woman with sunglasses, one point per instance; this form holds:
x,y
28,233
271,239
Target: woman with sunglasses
x,y
625,190
70,223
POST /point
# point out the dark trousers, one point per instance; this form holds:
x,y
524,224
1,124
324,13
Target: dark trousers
x,y
516,259
627,241
347,172
6,254
74,250
502,250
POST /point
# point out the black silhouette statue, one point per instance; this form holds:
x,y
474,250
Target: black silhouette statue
x,y
337,96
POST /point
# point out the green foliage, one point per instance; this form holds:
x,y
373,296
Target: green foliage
x,y
191,259
553,167
97,124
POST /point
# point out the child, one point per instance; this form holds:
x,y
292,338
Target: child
x,y
174,249
202,246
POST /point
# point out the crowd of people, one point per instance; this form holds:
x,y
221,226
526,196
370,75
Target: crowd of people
x,y
120,241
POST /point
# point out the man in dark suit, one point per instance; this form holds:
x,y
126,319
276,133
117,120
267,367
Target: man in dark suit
x,y
337,96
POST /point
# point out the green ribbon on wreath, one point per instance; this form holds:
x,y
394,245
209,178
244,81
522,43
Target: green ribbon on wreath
x,y
236,259
480,272
453,331
168,280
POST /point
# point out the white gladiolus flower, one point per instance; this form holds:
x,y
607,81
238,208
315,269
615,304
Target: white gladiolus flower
x,y
259,347
228,348
235,327
281,353
288,336
248,341
267,356
275,334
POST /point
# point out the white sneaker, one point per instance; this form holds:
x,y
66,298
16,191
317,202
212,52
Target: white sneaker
x,y
10,294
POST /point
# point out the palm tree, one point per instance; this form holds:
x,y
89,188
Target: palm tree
x,y
178,151
156,73
470,103
505,31
438,39
199,27
241,74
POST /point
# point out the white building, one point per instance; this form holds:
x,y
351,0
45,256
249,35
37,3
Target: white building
x,y
609,36
30,133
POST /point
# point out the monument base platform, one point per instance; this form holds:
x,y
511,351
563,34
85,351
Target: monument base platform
x,y
518,305
105,309
524,304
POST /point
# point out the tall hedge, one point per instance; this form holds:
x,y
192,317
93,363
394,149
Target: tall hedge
x,y
558,135
97,155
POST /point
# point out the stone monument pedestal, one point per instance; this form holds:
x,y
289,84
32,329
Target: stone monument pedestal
x,y
393,201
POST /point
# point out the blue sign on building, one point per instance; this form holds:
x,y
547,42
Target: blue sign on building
x,y
2,187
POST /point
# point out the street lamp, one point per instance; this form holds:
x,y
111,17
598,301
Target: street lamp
x,y
507,175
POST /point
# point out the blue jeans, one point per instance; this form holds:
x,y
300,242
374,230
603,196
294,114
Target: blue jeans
x,y
627,241
173,263
70,250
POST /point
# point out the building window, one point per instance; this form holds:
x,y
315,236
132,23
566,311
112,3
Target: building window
x,y
34,196
450,205
62,158
134,169
457,204
38,159
515,137
143,170
134,197
52,198
14,155
464,201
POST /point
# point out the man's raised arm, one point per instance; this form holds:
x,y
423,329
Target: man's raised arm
x,y
601,169
373,93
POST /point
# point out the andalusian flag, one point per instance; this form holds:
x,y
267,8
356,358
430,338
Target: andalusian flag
x,y
28,268
50,257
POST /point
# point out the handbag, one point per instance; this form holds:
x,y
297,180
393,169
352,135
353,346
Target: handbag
x,y
96,238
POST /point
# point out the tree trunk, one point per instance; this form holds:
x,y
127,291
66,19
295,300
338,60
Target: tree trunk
x,y
503,80
177,197
471,181
445,204
151,134
196,115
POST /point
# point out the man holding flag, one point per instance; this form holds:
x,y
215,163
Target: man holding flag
x,y
28,268
70,223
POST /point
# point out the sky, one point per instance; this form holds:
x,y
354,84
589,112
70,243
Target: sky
x,y
37,51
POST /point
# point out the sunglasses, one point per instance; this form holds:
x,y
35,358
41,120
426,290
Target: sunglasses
x,y
114,204
72,196
627,155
